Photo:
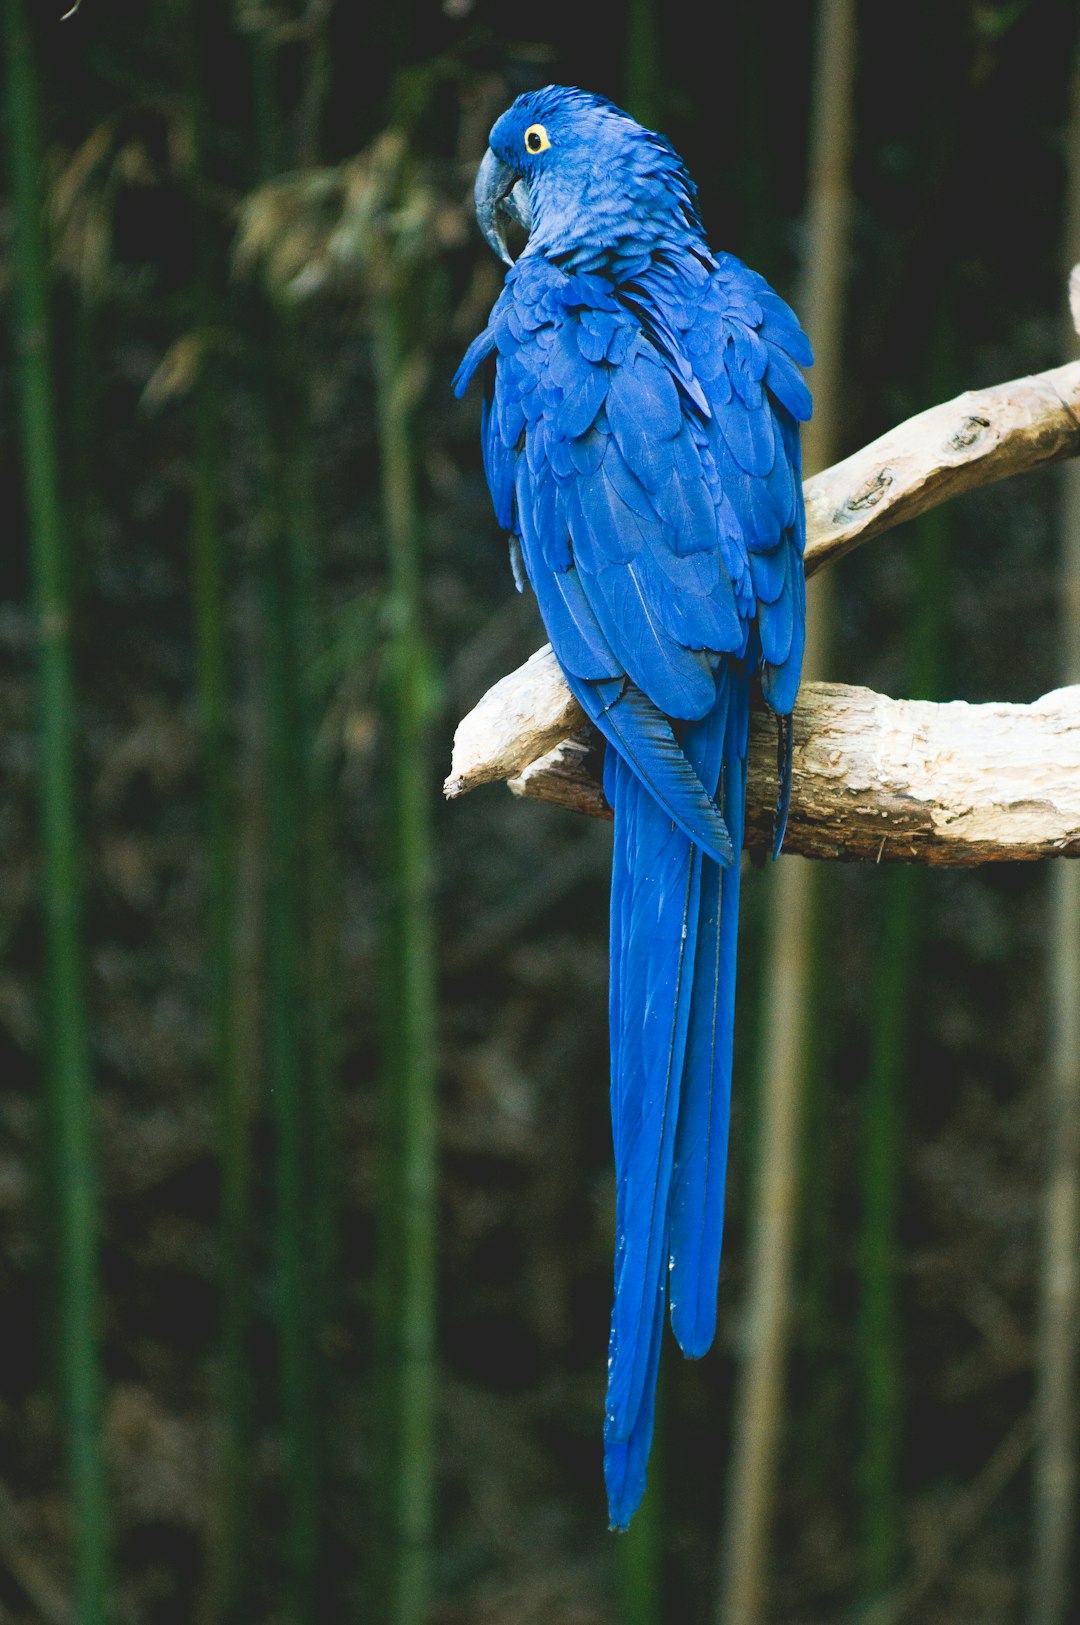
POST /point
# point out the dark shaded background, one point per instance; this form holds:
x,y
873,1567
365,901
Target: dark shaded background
x,y
956,280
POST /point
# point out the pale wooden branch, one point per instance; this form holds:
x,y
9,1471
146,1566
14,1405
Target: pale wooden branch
x,y
525,714
982,436
874,778
887,780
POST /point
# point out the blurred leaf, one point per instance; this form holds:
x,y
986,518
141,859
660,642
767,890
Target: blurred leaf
x,y
83,194
337,229
993,22
176,373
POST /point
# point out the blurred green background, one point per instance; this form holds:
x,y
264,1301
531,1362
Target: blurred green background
x,y
305,1187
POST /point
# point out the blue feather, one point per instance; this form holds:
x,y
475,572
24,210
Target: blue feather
x,y
643,412
499,468
748,431
697,1196
658,916
626,1457
678,679
643,737
480,348
787,384
770,573
776,623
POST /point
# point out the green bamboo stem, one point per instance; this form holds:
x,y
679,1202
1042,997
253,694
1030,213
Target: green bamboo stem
x,y
878,1326
792,934
894,998
642,64
816,1432
407,1209
69,1085
881,1161
230,1526
303,1219
639,1552
288,1049
323,916
1057,1403
895,995
751,43
308,1188
1051,1587
297,1189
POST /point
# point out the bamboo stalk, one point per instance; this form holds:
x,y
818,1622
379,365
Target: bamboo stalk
x,y
639,1552
407,1204
320,868
642,62
288,582
230,1526
1057,1408
790,936
322,923
1054,1472
63,1018
878,1327
879,1180
893,1007
303,968
287,1040
750,31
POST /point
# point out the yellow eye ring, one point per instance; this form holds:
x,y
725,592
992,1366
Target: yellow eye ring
x,y
536,139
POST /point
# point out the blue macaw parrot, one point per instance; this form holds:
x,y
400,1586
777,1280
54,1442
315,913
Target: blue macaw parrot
x,y
640,438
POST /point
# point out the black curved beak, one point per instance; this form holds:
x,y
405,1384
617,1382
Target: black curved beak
x,y
500,196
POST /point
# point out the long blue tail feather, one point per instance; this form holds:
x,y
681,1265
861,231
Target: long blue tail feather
x,y
654,923
784,749
626,1458
697,1194
673,925
644,737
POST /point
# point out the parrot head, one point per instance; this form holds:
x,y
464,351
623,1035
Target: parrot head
x,y
580,176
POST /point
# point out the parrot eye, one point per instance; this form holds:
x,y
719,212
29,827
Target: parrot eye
x,y
536,139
